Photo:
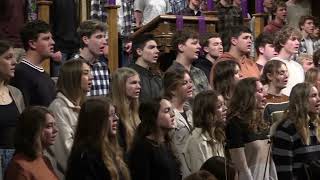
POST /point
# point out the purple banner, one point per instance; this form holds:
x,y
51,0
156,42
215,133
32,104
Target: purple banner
x,y
179,22
202,25
112,2
210,5
259,6
244,7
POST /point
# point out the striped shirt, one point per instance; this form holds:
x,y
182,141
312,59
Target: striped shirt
x,y
289,152
275,107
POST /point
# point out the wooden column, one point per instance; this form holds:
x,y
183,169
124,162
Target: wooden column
x,y
113,37
44,14
258,23
83,10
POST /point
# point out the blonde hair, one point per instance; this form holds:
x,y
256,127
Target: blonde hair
x,y
304,56
128,109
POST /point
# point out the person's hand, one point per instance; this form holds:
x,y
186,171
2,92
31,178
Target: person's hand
x,y
128,47
57,56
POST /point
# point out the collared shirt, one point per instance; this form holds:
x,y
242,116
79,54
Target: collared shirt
x,y
248,68
309,46
198,77
177,5
125,14
101,78
190,12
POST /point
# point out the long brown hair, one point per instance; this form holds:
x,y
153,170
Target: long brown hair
x,y
222,77
299,114
30,124
126,108
69,81
93,131
204,115
243,105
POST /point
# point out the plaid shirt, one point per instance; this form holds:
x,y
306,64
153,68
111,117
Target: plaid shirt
x,y
229,16
303,46
177,5
98,13
101,77
198,77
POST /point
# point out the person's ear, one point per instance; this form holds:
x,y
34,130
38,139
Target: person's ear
x,y
139,51
85,40
234,41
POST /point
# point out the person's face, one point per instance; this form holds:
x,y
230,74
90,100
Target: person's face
x,y
113,121
221,112
149,53
308,26
281,13
314,101
268,4
133,87
237,73
96,43
292,45
214,48
44,45
185,89
166,116
190,49
195,3
279,79
7,64
86,78
243,42
316,32
268,51
307,63
49,132
260,96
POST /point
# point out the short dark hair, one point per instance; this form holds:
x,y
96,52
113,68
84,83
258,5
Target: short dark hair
x,y
262,40
234,32
204,39
181,37
89,27
139,42
32,30
303,19
30,123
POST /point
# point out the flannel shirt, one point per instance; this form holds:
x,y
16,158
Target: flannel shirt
x,y
177,5
229,17
98,13
101,77
303,46
199,78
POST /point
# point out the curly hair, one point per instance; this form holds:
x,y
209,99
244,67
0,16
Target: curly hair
x,y
243,105
204,115
284,35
